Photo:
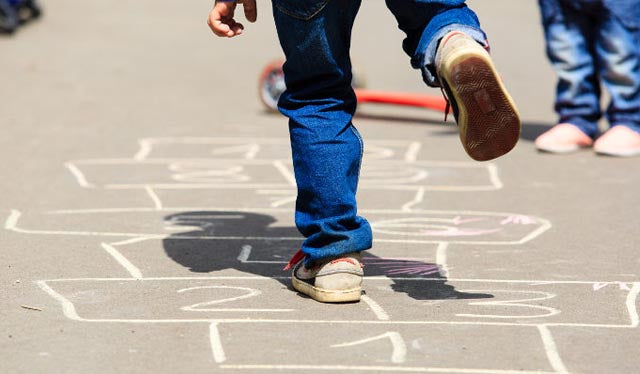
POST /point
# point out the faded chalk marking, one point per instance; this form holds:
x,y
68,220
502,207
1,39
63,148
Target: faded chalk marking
x,y
419,197
412,152
11,222
157,203
145,149
245,252
375,308
279,197
67,307
249,293
399,353
132,269
551,350
393,369
631,304
441,259
79,175
216,344
131,241
518,303
493,176
250,150
286,173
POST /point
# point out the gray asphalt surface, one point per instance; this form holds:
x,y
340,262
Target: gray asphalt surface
x,y
147,202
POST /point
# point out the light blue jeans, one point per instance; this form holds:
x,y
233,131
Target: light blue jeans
x,y
319,101
590,42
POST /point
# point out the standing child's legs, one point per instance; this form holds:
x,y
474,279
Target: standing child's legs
x,y
617,45
326,148
569,34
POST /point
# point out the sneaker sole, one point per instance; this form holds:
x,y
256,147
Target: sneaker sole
x,y
326,296
562,150
488,121
617,153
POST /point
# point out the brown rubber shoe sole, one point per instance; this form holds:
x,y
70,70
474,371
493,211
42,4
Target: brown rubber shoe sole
x,y
488,120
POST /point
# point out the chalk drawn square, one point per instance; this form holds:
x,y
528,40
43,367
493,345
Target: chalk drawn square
x,y
430,176
188,300
213,148
181,174
461,227
509,302
170,257
382,348
400,228
229,198
464,227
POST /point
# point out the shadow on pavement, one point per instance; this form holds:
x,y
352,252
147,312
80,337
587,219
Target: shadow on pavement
x,y
248,243
530,130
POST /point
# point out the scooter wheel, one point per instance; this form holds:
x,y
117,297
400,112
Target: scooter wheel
x,y
271,84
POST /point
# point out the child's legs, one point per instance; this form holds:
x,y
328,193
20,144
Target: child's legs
x,y
618,48
568,33
320,103
425,22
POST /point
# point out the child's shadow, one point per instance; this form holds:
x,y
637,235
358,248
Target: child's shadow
x,y
248,243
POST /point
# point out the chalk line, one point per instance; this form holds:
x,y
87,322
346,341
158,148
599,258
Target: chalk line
x,y
78,175
245,252
395,369
68,309
441,259
513,303
131,241
216,344
493,176
551,350
399,353
157,203
286,173
419,197
631,304
375,308
412,152
145,149
132,269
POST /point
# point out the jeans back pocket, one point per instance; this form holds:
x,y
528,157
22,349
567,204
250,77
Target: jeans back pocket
x,y
300,9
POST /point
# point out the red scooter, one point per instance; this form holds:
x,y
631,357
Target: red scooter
x,y
271,85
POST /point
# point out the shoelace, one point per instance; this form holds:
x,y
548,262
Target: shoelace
x,y
448,107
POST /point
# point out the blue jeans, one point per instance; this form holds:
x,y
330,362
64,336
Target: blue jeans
x,y
319,101
590,42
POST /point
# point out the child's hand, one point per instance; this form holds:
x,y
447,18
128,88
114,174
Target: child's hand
x,y
221,19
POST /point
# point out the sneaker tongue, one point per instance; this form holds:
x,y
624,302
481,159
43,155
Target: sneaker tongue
x,y
297,257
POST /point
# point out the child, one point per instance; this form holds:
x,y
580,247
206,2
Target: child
x,y
444,40
590,42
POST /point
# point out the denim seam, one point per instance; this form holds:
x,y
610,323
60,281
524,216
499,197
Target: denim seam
x,y
359,137
280,8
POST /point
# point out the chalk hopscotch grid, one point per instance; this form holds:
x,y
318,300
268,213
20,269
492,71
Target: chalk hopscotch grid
x,y
217,350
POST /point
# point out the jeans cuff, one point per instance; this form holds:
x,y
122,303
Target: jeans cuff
x,y
429,71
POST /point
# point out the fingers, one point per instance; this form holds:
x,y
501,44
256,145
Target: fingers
x,y
250,10
221,20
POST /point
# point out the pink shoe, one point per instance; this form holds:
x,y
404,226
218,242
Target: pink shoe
x,y
619,141
563,138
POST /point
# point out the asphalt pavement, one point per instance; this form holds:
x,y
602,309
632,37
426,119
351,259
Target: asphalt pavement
x,y
147,198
